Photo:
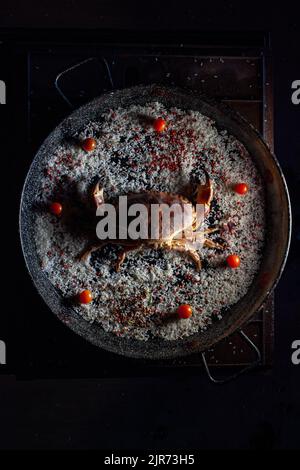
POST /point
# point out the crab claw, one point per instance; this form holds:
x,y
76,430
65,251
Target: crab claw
x,y
205,193
98,195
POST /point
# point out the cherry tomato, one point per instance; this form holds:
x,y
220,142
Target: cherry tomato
x,y
184,311
56,208
233,261
241,188
89,144
159,124
85,297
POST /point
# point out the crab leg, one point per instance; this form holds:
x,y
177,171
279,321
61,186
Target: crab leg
x,y
210,230
181,246
205,193
123,253
211,244
86,255
98,195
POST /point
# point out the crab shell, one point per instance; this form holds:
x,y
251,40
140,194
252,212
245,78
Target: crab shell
x,y
203,196
171,202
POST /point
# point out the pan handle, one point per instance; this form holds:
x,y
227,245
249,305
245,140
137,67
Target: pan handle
x,y
249,367
61,75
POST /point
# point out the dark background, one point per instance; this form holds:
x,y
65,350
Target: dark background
x,y
176,411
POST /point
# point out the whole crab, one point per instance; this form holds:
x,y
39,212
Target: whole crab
x,y
203,195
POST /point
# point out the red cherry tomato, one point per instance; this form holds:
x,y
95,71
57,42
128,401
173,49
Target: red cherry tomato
x,y
85,297
159,124
233,261
241,188
56,208
184,311
89,144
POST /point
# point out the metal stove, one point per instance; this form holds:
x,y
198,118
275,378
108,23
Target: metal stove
x,y
61,70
